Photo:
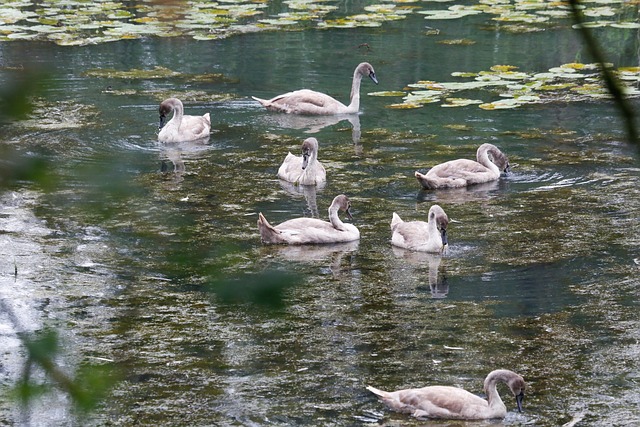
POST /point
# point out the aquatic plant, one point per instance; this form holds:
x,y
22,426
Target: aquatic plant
x,y
566,83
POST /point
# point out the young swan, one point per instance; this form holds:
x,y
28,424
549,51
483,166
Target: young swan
x,y
181,128
462,172
419,235
455,403
300,231
310,102
305,169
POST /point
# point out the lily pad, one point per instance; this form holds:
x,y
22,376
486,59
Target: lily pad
x,y
566,83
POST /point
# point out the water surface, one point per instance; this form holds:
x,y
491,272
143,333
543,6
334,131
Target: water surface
x,y
120,252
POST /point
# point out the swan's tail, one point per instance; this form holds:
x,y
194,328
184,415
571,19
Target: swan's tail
x,y
395,220
380,393
267,232
264,102
426,184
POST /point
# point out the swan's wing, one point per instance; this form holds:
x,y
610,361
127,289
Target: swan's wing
x,y
195,127
456,173
291,168
303,101
439,402
410,234
312,230
457,168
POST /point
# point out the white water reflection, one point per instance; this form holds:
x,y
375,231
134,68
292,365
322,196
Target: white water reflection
x,y
314,124
436,276
310,194
472,193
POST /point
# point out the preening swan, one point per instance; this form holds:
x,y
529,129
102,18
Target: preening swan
x,y
307,101
181,127
462,172
419,235
305,169
453,402
301,231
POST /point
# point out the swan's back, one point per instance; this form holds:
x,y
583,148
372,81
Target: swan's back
x,y
303,102
443,402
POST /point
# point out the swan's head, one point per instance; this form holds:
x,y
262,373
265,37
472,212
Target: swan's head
x,y
309,146
514,381
366,70
496,156
517,385
166,107
342,203
440,218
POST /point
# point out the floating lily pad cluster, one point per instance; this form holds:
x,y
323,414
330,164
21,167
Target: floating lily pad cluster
x,y
566,83
81,22
535,15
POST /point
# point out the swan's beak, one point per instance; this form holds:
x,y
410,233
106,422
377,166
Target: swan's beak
x,y
372,76
305,161
507,169
519,398
443,235
349,213
162,120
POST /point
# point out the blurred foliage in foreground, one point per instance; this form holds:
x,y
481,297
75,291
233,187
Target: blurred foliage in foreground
x,y
45,369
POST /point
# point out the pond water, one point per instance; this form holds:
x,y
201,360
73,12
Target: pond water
x,y
147,257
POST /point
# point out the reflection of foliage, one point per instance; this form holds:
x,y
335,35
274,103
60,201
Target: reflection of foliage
x,y
45,369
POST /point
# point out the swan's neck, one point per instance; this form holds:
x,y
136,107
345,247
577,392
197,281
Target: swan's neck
x,y
335,219
312,165
484,160
177,116
434,233
354,100
493,398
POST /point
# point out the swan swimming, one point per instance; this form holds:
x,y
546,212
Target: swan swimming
x,y
310,102
181,127
299,231
455,403
421,236
462,172
305,169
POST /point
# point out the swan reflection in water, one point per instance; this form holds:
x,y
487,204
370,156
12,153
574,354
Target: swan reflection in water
x,y
437,279
177,152
309,192
174,154
314,124
332,252
472,193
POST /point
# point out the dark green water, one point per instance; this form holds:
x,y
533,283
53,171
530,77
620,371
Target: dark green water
x,y
120,251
